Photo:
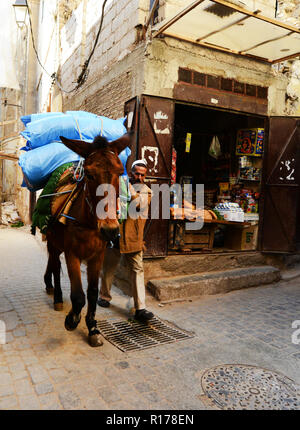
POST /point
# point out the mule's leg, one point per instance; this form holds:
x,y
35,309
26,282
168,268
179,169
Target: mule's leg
x,y
93,272
48,278
54,267
77,295
58,298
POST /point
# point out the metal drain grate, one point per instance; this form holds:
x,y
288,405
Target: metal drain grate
x,y
234,386
135,336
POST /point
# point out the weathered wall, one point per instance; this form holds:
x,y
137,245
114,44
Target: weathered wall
x,y
19,102
48,50
109,90
108,86
165,56
289,12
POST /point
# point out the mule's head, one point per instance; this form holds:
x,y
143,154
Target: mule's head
x,y
102,167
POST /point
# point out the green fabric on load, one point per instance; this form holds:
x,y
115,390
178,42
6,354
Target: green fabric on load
x,y
124,198
42,211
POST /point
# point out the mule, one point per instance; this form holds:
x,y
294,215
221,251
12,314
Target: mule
x,y
84,236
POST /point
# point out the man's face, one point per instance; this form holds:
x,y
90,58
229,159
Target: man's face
x,y
138,174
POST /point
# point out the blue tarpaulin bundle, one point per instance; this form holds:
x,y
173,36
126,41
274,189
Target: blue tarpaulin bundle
x,y
44,151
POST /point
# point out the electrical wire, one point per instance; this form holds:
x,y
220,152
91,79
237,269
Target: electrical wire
x,y
84,72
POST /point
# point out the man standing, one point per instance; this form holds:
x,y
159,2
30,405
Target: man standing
x,y
131,246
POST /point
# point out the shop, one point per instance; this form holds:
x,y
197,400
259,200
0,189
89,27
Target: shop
x,y
246,161
223,151
213,113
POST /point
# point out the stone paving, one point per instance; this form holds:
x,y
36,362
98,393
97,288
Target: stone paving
x,y
43,366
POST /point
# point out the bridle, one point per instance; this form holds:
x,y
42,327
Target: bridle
x,y
79,174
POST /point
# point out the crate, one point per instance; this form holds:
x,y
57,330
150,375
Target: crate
x,y
179,237
241,237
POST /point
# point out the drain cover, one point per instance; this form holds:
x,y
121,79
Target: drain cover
x,y
234,386
133,336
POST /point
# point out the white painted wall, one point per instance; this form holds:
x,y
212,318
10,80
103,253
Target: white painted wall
x,y
48,50
117,37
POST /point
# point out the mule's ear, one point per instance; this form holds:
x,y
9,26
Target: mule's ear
x,y
81,148
121,143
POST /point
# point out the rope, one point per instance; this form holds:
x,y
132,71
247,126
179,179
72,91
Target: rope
x,y
55,194
101,125
79,170
68,216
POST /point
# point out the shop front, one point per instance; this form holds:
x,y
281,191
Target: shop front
x,y
213,114
247,161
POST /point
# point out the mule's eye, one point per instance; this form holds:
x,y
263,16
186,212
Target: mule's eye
x,y
89,176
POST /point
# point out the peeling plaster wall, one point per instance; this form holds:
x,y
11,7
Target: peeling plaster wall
x,y
48,51
116,68
289,12
165,56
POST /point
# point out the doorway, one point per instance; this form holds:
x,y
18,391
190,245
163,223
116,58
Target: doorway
x,y
224,151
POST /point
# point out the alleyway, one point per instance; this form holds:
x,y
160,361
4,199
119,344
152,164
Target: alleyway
x,y
42,366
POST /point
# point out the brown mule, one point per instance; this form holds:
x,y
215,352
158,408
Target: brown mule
x,y
84,236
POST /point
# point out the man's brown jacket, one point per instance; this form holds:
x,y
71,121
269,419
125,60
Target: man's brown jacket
x,y
132,230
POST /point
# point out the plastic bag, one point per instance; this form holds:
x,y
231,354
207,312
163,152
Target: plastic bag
x,y
42,129
38,164
45,152
215,148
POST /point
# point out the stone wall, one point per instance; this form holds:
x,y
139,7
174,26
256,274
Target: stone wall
x,y
107,87
111,88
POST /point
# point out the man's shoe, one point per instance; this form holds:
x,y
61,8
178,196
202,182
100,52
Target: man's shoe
x,y
103,303
143,315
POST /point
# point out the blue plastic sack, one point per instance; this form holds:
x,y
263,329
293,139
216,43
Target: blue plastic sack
x,y
36,116
38,164
44,128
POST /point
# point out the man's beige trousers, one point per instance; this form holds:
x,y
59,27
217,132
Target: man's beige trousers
x,y
134,262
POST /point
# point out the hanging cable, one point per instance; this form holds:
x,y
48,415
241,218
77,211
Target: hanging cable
x,y
84,72
83,75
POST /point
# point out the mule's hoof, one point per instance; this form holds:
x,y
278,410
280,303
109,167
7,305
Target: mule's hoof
x,y
58,306
70,324
50,291
95,340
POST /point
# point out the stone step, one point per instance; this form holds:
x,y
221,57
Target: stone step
x,y
216,282
291,274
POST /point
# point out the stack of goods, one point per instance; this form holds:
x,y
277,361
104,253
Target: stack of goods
x,y
247,170
247,199
44,151
250,173
230,211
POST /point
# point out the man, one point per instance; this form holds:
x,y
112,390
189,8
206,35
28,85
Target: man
x,y
131,246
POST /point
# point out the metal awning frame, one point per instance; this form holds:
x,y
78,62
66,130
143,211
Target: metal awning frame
x,y
248,14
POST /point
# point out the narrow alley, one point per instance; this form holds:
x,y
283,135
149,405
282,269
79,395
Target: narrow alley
x,y
42,366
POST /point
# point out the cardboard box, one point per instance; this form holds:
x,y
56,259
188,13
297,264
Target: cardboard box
x,y
241,237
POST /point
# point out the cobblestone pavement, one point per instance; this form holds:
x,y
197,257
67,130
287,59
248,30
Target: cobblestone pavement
x,y
42,366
